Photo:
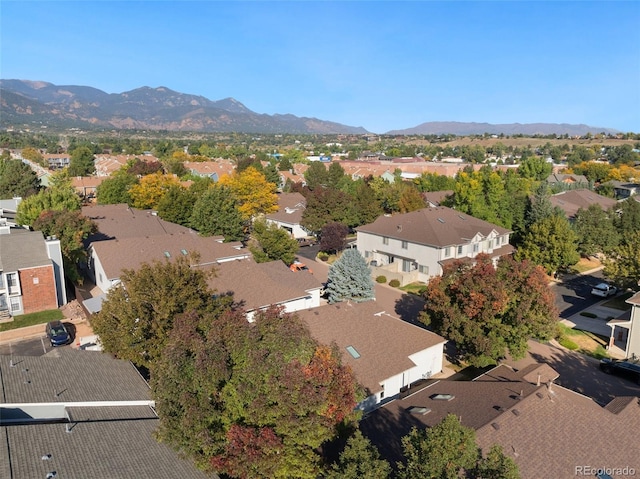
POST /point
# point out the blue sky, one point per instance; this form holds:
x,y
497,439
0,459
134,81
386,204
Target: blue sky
x,y
379,65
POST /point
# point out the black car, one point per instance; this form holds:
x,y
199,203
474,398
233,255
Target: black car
x,y
622,367
57,333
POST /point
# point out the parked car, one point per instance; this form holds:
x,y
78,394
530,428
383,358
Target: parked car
x,y
306,241
628,368
604,290
57,333
298,266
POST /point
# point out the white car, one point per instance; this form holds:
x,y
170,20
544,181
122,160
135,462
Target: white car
x,y
604,290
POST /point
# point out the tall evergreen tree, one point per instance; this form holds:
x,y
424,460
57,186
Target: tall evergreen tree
x,y
17,179
349,279
81,163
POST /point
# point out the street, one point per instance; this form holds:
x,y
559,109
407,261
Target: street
x,y
574,293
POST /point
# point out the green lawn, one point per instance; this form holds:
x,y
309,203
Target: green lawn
x,y
414,288
584,342
32,319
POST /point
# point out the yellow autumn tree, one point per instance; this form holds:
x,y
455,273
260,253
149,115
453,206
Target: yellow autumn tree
x,y
254,193
150,190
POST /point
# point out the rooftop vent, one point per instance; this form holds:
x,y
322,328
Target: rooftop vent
x,y
442,397
515,412
495,425
440,220
418,410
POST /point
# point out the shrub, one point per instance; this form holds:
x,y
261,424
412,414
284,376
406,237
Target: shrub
x,y
381,279
587,314
394,282
322,256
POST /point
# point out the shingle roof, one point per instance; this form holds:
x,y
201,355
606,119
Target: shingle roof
x,y
557,430
121,221
104,442
476,403
290,208
22,249
572,200
384,341
100,449
66,374
439,226
129,253
256,285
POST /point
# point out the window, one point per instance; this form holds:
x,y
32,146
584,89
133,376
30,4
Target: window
x,y
490,244
12,280
406,265
405,245
423,269
498,240
385,240
475,247
447,252
1,280
460,249
15,304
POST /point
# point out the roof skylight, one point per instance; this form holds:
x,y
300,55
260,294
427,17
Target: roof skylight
x,y
352,351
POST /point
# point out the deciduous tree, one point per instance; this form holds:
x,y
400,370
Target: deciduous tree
x,y
81,162
440,452
251,400
216,213
57,197
359,460
71,228
148,192
138,314
595,230
176,205
253,193
551,243
622,265
271,243
349,279
115,189
333,237
488,311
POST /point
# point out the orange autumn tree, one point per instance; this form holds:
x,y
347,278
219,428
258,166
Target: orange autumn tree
x,y
255,195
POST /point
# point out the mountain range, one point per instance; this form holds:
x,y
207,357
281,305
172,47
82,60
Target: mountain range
x,y
71,106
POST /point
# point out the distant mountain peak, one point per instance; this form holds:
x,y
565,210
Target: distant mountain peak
x,y
158,108
473,128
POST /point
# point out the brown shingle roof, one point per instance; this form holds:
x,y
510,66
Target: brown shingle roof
x,y
290,208
438,227
384,341
256,285
121,221
571,201
476,403
129,253
557,430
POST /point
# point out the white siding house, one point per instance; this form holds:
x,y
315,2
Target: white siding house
x,y
415,246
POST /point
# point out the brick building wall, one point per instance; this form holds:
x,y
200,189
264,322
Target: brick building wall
x,y
38,287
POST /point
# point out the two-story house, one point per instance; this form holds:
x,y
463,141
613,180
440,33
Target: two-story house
x,y
31,272
414,246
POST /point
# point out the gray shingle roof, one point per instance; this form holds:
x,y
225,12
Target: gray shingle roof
x,y
22,249
439,226
104,442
